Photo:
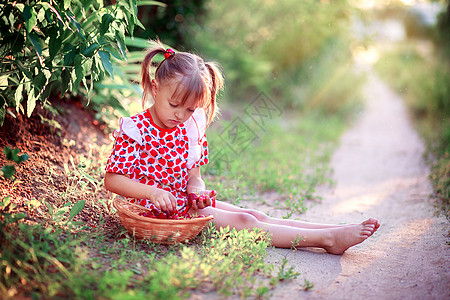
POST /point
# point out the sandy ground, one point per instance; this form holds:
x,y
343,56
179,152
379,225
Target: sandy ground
x,y
379,172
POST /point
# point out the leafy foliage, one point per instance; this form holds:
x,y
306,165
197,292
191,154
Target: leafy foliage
x,y
53,47
174,23
262,44
8,171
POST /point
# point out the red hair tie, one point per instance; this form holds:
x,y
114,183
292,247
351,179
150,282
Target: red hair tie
x,y
169,52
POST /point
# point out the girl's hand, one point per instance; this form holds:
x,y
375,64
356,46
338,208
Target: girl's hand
x,y
163,200
201,199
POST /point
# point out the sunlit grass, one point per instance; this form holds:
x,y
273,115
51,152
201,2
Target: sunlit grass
x,y
291,157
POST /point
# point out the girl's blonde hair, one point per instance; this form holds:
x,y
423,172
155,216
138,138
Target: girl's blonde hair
x,y
195,78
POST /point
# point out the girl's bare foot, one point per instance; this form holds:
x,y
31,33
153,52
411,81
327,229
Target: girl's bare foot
x,y
346,237
372,221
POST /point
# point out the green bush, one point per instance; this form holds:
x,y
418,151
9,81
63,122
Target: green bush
x,y
263,44
54,47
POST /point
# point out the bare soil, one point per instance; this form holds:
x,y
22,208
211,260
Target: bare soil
x,y
50,141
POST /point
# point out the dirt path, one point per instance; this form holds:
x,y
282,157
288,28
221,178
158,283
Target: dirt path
x,y
379,172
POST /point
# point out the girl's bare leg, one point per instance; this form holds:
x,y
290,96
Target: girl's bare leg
x,y
333,240
262,217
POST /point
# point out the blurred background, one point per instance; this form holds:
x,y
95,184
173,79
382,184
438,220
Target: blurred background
x,y
305,57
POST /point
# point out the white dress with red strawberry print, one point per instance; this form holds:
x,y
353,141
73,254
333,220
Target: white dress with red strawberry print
x,y
159,157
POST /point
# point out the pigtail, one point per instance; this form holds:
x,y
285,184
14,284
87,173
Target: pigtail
x,y
146,79
215,87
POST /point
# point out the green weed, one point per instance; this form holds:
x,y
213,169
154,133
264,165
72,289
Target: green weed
x,y
307,285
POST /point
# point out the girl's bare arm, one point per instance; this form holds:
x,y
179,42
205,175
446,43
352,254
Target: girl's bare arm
x,y
122,185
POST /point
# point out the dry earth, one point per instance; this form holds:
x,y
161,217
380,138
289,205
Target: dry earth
x,y
380,172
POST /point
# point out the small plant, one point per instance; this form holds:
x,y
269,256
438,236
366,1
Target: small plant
x,y
8,171
296,242
307,285
286,274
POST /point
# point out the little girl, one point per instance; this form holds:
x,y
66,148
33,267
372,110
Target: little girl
x,y
158,153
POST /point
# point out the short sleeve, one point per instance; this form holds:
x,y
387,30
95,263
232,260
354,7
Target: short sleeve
x,y
130,128
126,148
198,146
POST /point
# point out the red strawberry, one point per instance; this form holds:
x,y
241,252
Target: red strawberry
x,y
162,216
191,198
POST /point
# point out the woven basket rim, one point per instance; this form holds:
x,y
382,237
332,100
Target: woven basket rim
x,y
120,203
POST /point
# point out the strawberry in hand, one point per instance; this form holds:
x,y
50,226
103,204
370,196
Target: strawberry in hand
x,y
196,200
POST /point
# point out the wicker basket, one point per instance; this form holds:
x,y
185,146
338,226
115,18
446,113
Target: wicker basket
x,y
157,230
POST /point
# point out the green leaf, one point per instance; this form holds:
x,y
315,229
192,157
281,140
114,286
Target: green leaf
x,y
11,154
34,39
49,88
144,2
39,82
113,49
17,217
76,208
18,96
31,102
5,202
121,43
65,78
8,171
106,21
74,23
29,16
137,42
89,51
2,115
4,82
23,157
79,71
130,21
54,43
69,56
67,4
50,208
106,62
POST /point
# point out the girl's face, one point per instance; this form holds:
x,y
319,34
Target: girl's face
x,y
167,112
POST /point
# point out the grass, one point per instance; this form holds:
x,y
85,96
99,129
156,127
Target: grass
x,y
62,256
289,156
52,262
71,243
423,83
